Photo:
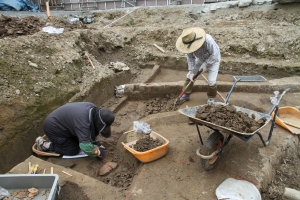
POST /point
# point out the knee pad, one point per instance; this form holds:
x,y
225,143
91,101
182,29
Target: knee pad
x,y
212,91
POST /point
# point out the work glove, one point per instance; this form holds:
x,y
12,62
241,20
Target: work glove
x,y
190,75
98,144
101,153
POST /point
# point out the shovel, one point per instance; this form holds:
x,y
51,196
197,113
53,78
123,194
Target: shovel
x,y
182,93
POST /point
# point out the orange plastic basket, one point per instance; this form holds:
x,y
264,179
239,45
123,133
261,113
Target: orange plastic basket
x,y
289,118
152,154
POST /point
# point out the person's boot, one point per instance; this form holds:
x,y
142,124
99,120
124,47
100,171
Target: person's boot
x,y
210,100
42,144
185,97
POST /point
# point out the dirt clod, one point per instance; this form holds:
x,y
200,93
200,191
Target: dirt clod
x,y
15,27
147,143
227,116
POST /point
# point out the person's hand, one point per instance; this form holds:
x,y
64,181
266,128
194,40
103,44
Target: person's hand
x,y
101,153
190,75
197,74
97,143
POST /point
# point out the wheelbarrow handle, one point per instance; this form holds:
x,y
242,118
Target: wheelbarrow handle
x,y
232,87
278,100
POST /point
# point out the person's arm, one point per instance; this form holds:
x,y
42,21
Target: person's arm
x,y
191,61
213,51
88,148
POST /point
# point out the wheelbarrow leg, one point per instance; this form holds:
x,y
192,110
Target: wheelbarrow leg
x,y
199,134
271,129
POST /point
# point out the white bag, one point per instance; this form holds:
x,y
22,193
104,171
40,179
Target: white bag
x,y
141,127
51,29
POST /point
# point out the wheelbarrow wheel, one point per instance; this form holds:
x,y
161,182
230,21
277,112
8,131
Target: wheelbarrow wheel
x,y
213,142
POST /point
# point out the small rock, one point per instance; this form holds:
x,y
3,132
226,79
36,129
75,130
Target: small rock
x,y
32,64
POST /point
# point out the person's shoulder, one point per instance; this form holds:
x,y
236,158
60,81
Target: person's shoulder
x,y
80,104
208,36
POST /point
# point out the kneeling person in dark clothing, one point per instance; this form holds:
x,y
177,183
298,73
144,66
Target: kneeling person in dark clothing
x,y
74,127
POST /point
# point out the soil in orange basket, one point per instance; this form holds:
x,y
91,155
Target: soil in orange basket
x,y
147,143
228,117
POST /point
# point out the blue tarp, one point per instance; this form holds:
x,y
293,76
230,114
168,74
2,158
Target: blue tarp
x,y
18,5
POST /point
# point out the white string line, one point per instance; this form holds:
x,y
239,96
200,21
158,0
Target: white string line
x,y
121,17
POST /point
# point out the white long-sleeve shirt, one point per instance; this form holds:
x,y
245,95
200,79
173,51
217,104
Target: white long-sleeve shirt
x,y
206,55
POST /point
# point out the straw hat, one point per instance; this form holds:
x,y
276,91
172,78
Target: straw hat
x,y
190,40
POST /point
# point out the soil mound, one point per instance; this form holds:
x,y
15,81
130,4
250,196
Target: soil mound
x,y
147,143
15,27
228,117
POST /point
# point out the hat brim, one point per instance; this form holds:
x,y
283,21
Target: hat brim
x,y
195,45
106,132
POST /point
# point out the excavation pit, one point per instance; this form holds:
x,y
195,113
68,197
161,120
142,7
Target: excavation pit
x,y
58,73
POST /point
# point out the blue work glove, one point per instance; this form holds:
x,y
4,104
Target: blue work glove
x,y
97,143
101,153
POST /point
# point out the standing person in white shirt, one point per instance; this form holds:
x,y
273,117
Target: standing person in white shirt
x,y
202,54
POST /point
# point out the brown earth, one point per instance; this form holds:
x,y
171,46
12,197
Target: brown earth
x,y
146,143
15,26
227,116
41,71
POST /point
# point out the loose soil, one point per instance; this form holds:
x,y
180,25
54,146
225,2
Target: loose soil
x,y
15,27
146,143
287,175
228,117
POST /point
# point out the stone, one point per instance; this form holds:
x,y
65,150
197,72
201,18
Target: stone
x,y
244,3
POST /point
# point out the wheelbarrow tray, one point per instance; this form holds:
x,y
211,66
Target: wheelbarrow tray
x,y
192,111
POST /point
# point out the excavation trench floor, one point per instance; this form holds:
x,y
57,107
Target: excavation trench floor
x,y
179,174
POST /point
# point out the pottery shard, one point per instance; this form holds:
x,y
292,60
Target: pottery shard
x,y
33,190
21,194
105,169
113,165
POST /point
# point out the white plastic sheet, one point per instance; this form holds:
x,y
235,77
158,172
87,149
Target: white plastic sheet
x,y
232,189
51,29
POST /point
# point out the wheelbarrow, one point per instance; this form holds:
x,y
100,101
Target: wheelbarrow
x,y
210,151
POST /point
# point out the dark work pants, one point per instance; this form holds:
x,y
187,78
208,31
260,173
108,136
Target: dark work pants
x,y
63,145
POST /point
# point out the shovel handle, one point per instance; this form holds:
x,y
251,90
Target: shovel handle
x,y
48,9
181,94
